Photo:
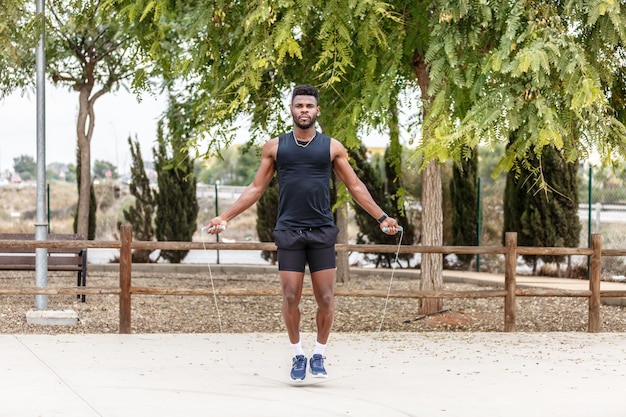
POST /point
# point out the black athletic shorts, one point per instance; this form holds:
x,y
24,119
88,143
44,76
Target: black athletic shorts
x,y
315,246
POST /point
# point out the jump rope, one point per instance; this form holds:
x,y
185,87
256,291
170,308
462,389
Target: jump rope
x,y
319,380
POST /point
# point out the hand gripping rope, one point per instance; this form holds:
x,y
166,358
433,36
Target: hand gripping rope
x,y
280,382
393,270
217,308
210,229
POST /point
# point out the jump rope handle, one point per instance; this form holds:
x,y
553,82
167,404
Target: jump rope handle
x,y
210,229
384,229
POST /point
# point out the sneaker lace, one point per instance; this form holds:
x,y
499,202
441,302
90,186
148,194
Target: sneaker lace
x,y
299,362
318,361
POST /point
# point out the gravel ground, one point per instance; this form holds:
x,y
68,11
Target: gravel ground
x,y
198,314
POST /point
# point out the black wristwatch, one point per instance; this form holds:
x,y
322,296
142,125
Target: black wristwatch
x,y
381,218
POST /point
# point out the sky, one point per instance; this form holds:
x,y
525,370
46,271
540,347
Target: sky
x,y
117,115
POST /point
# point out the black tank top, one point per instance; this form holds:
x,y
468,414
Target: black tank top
x,y
303,183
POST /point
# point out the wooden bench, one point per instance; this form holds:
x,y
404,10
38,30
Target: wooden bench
x,y
59,259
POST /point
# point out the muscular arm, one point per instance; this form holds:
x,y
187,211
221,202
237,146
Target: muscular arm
x,y
252,192
358,190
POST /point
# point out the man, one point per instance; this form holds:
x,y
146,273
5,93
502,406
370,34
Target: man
x,y
305,231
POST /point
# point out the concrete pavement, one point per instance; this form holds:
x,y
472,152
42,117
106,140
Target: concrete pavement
x,y
371,374
530,281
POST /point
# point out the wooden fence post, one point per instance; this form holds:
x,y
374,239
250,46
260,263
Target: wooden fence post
x,y
595,273
126,258
510,271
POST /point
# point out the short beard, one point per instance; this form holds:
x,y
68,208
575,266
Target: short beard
x,y
305,126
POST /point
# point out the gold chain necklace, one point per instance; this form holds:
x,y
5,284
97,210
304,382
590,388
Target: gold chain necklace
x,y
295,139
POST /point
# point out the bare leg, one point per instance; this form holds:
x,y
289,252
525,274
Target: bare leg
x,y
292,292
323,288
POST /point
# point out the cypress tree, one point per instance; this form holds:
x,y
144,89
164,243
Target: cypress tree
x,y
267,213
93,205
464,199
515,201
246,165
393,157
369,230
393,184
386,189
551,217
141,214
177,204
544,214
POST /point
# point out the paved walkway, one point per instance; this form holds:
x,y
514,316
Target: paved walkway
x,y
526,281
371,374
378,375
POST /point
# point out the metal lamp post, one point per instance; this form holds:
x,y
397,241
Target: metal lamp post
x,y
41,227
217,213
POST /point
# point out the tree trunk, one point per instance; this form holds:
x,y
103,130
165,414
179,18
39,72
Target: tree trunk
x,y
432,210
343,263
432,225
84,131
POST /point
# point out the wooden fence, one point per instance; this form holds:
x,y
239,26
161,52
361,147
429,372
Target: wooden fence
x,y
509,293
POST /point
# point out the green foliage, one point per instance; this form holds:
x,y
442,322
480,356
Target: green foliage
x,y
542,218
464,202
247,163
177,205
141,213
85,43
393,167
396,193
267,214
104,169
18,28
235,165
241,58
544,72
369,230
88,49
70,175
608,185
26,167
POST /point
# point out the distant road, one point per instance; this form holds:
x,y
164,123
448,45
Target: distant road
x,y
226,192
605,213
104,256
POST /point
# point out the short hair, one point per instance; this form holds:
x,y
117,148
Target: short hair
x,y
305,90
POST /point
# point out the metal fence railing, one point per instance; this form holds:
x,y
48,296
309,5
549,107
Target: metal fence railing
x,y
601,210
